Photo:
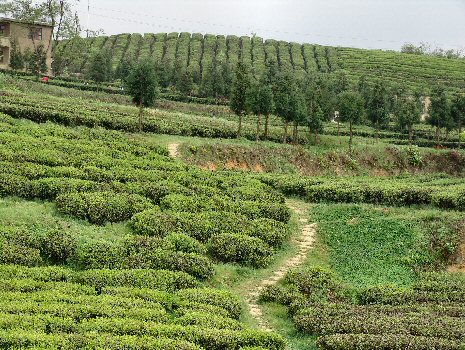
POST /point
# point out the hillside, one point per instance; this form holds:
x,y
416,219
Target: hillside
x,y
183,236
194,53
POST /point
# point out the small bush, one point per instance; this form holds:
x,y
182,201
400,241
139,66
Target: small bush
x,y
58,246
240,248
100,207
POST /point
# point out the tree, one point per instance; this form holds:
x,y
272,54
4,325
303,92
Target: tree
x,y
16,57
260,101
215,79
124,69
351,110
298,112
100,68
36,61
315,115
408,114
185,83
238,99
283,92
142,86
378,107
439,114
458,112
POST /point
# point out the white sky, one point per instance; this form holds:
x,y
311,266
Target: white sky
x,y
384,24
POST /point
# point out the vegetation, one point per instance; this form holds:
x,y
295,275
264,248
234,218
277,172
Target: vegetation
x,y
107,241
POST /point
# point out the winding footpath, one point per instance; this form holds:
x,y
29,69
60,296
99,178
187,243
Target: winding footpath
x,y
173,150
303,243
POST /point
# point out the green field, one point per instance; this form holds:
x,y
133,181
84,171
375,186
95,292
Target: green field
x,y
196,52
109,240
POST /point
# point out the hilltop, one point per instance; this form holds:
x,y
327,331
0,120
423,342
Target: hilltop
x,y
197,53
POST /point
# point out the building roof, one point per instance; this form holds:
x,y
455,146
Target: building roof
x,y
12,20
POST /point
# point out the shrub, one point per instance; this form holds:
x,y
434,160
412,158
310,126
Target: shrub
x,y
58,246
184,243
50,188
154,223
272,232
207,320
215,297
163,280
100,207
240,248
386,341
12,253
256,210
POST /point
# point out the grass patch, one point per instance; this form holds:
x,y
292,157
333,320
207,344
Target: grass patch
x,y
368,245
40,217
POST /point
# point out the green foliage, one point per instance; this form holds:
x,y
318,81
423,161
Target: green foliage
x,y
100,207
240,248
100,69
378,106
350,105
59,246
16,57
439,114
142,84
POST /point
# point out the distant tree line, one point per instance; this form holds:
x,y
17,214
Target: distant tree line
x,y
426,49
308,101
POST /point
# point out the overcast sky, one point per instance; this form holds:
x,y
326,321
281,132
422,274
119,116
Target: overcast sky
x,y
383,24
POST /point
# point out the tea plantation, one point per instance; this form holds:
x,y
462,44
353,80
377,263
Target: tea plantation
x,y
110,241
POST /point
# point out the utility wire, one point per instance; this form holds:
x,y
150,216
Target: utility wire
x,y
242,28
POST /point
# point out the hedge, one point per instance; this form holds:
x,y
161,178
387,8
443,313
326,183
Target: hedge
x,y
101,207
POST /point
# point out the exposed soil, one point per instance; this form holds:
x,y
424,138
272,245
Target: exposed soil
x,y
303,242
459,264
387,162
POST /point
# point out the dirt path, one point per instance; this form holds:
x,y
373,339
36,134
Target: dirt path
x,y
173,150
303,243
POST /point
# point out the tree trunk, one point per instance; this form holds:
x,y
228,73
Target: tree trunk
x,y
447,134
377,131
239,129
316,137
339,131
286,124
350,139
266,127
295,136
410,133
438,136
309,136
258,127
141,112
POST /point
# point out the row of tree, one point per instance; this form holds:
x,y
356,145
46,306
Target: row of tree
x,y
318,99
312,102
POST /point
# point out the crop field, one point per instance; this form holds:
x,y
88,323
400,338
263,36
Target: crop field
x,y
183,236
371,289
196,52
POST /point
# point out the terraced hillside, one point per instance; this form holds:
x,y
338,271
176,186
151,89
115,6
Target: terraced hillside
x,y
195,52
